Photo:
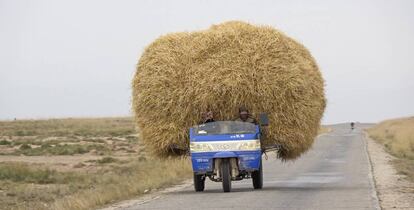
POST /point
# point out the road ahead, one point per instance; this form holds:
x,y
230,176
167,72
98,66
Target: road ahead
x,y
334,174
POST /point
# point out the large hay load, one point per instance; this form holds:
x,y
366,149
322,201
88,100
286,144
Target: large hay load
x,y
229,65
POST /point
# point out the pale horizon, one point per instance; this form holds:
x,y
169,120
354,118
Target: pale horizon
x,y
71,59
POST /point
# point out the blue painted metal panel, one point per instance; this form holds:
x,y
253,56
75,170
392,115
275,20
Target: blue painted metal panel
x,y
248,160
225,154
202,162
224,137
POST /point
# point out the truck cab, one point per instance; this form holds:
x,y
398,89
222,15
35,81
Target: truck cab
x,y
226,151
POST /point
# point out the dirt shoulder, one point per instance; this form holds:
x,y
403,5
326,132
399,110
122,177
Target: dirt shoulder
x,y
394,190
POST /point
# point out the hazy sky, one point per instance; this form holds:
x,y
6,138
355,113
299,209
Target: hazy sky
x,y
77,58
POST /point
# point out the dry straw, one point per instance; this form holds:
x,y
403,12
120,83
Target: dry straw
x,y
229,65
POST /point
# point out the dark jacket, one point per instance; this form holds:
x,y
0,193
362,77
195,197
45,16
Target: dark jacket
x,y
207,121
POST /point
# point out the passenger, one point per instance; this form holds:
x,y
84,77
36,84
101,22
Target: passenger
x,y
207,124
244,116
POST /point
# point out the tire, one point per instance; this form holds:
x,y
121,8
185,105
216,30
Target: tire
x,y
257,177
199,181
226,175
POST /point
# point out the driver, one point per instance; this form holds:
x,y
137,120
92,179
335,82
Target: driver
x,y
244,116
208,117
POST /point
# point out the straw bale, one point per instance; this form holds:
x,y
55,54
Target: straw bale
x,y
229,65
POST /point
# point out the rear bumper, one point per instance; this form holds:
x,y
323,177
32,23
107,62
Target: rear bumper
x,y
203,162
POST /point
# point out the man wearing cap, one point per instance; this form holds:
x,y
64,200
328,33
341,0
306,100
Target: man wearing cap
x,y
244,116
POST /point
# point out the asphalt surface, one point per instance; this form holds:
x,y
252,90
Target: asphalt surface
x,y
334,174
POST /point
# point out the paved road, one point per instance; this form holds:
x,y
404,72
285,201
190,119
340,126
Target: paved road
x,y
335,174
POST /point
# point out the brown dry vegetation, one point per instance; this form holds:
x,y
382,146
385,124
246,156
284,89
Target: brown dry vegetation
x,y
69,127
233,64
397,136
78,164
324,129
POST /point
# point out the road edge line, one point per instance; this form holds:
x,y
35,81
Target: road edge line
x,y
372,180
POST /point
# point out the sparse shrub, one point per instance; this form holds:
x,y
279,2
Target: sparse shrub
x,y
5,142
79,165
45,145
19,133
65,149
133,138
106,160
22,173
25,147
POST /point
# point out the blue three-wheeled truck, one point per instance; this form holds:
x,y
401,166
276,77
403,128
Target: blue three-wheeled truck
x,y
226,151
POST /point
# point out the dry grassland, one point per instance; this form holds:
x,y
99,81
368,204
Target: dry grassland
x,y
324,129
397,136
78,164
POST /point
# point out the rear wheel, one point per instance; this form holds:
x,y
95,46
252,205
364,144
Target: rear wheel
x,y
199,181
226,175
257,177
